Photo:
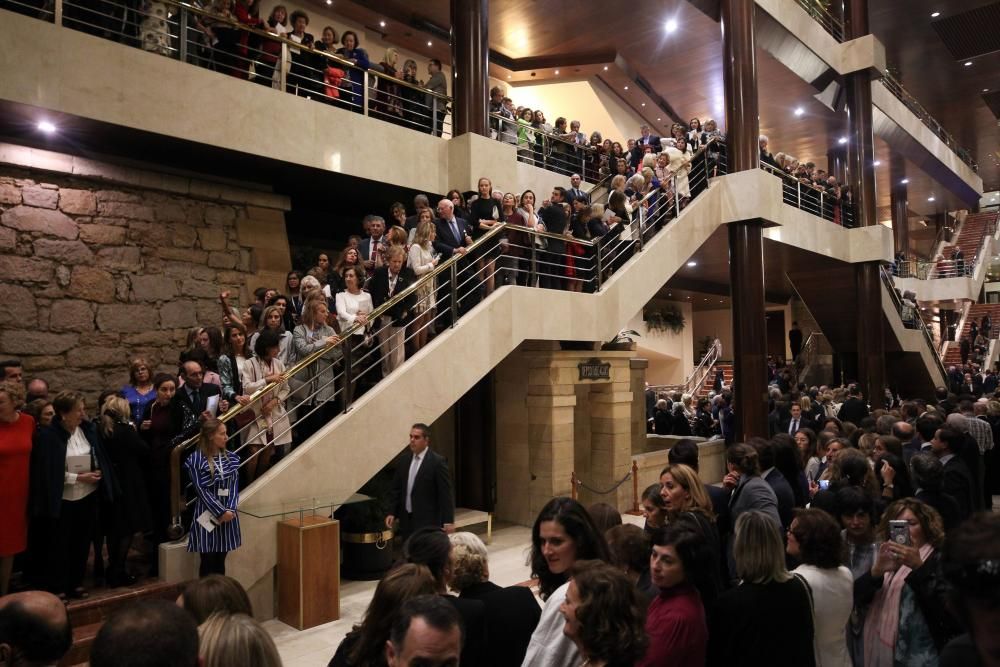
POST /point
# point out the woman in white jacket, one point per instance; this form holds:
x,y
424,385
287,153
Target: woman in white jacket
x,y
814,539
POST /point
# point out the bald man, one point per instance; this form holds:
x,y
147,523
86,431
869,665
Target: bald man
x,y
34,629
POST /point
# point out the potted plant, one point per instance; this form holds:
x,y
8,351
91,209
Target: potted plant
x,y
367,543
665,319
622,342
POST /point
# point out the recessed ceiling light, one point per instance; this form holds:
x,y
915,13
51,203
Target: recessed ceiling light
x,y
626,87
329,2
46,126
643,104
658,120
381,24
557,71
605,68
877,163
508,76
842,140
428,43
692,263
934,15
905,181
968,63
670,26
931,198
986,90
799,111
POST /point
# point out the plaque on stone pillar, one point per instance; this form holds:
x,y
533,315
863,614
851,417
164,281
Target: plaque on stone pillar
x,y
594,369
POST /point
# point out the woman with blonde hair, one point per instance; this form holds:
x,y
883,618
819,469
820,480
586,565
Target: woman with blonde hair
x,y
767,597
139,391
687,503
214,474
422,259
316,384
273,319
235,639
129,512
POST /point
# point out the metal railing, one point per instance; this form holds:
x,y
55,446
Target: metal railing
x,y
815,345
543,149
696,379
910,314
822,15
219,41
325,383
897,89
811,199
948,268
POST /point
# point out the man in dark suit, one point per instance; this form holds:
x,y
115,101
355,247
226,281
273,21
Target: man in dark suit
x,y
958,483
854,408
927,476
452,236
371,247
421,488
575,193
647,139
795,421
553,259
190,405
782,489
795,340
389,281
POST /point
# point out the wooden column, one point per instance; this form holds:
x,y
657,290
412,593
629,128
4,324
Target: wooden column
x,y
470,57
746,243
900,219
308,571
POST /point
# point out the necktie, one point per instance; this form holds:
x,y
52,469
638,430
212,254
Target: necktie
x,y
454,230
196,400
795,426
414,467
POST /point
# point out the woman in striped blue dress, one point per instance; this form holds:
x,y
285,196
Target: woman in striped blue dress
x,y
214,473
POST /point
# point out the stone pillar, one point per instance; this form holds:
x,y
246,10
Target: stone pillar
x,y
836,163
637,385
746,245
550,444
470,57
861,163
611,441
900,219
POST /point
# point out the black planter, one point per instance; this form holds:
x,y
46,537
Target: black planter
x,y
367,556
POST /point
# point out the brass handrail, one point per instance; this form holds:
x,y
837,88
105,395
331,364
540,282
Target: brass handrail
x,y
649,195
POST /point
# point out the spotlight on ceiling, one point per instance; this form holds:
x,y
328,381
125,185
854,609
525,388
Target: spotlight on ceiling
x,y
605,68
381,24
799,111
643,104
428,43
931,198
670,26
557,71
842,140
46,127
934,15
626,87
968,63
692,263
877,163
905,181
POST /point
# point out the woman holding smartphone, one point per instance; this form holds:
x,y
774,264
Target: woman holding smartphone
x,y
214,473
907,622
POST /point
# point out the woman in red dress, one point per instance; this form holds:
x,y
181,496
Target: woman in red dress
x,y
16,432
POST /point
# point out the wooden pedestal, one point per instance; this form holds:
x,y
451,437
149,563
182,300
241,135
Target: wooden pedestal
x,y
308,571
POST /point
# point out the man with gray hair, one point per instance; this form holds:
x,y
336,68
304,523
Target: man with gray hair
x,y
765,155
371,248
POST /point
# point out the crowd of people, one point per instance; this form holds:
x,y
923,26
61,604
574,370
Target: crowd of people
x,y
810,188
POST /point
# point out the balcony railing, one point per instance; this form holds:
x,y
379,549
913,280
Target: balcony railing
x,y
693,382
811,199
897,89
822,15
191,34
910,314
964,267
547,150
326,383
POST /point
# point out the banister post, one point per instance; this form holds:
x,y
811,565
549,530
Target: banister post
x,y
635,486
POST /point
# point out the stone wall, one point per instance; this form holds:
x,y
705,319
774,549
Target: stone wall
x,y
94,272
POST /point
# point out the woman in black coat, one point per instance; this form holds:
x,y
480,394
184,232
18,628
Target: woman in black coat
x,y
70,472
129,513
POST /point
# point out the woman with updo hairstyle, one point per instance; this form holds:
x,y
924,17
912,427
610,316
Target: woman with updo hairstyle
x,y
458,199
316,384
214,474
364,645
814,540
604,616
214,594
273,319
849,468
563,533
139,391
272,428
41,411
157,430
16,432
653,508
225,640
129,513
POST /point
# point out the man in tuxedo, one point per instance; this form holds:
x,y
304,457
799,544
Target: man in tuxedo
x,y
389,281
647,139
372,247
421,487
795,421
958,482
553,259
575,193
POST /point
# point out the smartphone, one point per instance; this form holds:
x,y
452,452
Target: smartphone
x,y
824,484
899,532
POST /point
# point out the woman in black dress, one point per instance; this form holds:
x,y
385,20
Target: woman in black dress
x,y
157,430
129,513
484,214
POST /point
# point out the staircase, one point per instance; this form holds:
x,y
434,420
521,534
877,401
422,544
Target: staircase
x,y
970,236
727,373
976,311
